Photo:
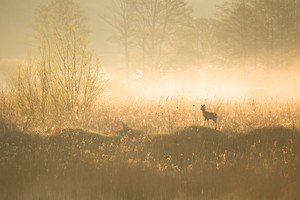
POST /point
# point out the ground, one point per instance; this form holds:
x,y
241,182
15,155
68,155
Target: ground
x,y
193,162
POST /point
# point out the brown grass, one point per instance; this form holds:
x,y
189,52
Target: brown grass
x,y
191,163
166,115
161,152
159,116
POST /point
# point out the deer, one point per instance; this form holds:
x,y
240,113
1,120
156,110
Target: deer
x,y
209,116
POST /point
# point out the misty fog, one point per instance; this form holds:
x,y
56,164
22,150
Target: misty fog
x,y
149,99
197,62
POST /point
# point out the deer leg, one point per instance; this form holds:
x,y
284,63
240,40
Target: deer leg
x,y
208,122
204,121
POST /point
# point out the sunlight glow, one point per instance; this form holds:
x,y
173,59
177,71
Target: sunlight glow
x,y
211,84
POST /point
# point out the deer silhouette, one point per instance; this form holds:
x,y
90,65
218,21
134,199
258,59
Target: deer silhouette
x,y
209,116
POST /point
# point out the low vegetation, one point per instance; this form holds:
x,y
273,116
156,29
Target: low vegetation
x,y
156,149
191,163
159,116
167,115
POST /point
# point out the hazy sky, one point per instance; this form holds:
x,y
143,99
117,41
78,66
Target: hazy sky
x,y
16,16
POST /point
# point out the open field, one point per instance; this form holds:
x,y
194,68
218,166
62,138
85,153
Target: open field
x,y
111,100
168,114
160,115
192,163
162,151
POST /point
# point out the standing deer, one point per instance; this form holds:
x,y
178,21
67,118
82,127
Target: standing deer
x,y
209,116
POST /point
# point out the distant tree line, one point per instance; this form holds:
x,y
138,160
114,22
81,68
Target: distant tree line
x,y
147,30
265,30
157,34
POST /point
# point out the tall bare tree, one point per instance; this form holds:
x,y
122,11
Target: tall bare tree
x,y
237,29
147,28
277,28
265,29
65,76
123,22
160,21
197,43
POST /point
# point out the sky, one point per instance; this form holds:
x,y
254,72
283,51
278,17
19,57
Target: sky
x,y
17,16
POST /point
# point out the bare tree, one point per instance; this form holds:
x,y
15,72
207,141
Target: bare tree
x,y
277,28
267,30
147,28
197,43
237,29
159,22
64,77
123,21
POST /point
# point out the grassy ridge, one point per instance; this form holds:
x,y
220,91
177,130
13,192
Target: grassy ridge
x,y
194,162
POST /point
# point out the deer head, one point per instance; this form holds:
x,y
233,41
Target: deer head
x,y
203,107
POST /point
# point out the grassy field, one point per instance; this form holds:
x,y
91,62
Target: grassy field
x,y
167,115
155,149
193,162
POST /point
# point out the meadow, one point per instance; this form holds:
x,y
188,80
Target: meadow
x,y
157,149
168,114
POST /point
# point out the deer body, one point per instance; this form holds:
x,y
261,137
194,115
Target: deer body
x,y
209,116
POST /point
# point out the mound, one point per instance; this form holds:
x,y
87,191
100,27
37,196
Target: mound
x,y
278,132
185,143
83,136
129,132
200,133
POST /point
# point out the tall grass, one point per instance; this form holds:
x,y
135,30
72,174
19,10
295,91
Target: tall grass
x,y
153,149
163,115
166,115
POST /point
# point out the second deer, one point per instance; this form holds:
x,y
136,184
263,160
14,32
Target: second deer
x,y
209,116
